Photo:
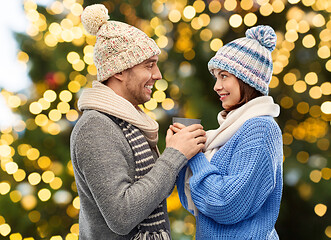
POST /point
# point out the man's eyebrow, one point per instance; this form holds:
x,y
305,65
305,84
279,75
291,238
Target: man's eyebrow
x,y
150,60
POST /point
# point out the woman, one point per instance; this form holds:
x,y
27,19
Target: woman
x,y
234,187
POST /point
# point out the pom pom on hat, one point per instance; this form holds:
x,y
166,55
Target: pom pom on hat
x,y
265,35
93,17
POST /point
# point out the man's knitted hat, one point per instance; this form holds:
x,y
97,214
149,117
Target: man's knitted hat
x,y
248,58
118,46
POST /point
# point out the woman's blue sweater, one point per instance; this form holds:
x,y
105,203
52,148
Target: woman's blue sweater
x,y
238,193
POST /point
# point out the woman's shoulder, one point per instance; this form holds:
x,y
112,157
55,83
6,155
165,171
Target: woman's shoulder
x,y
260,127
261,122
261,132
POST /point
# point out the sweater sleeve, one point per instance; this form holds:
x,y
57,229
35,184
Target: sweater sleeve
x,y
100,156
235,195
180,188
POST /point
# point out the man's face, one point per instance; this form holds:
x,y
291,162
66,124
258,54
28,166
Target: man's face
x,y
139,81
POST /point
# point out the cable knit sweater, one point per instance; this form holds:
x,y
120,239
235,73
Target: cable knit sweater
x,y
238,193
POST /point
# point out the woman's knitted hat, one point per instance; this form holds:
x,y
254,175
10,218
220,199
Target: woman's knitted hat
x,y
118,46
248,58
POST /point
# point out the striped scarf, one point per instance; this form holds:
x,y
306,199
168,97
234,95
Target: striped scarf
x,y
154,227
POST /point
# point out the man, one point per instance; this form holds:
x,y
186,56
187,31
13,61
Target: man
x,y
122,181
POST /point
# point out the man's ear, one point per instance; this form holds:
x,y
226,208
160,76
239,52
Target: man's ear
x,y
120,76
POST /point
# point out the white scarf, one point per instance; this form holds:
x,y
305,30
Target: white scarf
x,y
229,125
104,99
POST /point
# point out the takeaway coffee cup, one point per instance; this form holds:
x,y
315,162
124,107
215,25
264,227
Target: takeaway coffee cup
x,y
186,121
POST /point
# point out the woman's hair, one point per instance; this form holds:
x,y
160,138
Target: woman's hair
x,y
247,93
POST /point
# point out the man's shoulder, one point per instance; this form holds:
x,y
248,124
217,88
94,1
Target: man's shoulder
x,y
93,117
93,121
92,114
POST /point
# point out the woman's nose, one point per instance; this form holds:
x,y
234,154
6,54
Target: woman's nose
x,y
218,86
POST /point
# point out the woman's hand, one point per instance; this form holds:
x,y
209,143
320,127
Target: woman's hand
x,y
188,140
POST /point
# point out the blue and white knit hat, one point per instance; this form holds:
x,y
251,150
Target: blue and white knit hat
x,y
248,58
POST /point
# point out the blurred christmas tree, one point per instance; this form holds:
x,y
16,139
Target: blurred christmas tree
x,y
38,195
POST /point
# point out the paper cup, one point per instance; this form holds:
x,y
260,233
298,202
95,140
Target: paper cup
x,y
186,121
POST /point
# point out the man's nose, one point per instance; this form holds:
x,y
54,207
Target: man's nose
x,y
157,74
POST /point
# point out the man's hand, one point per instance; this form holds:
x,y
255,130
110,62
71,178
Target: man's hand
x,y
177,127
188,140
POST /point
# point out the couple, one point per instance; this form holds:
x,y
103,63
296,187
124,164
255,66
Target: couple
x,y
230,178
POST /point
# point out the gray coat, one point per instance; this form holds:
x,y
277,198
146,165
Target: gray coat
x,y
111,203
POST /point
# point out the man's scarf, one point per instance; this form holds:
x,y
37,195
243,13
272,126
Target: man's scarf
x,y
154,227
104,99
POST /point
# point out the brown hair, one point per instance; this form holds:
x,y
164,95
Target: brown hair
x,y
247,93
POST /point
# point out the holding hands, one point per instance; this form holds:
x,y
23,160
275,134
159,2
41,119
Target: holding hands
x,y
188,140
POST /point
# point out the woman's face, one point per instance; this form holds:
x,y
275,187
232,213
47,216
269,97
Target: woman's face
x,y
227,87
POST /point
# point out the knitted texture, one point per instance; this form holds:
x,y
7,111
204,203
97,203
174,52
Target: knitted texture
x,y
155,226
112,203
248,58
238,192
118,46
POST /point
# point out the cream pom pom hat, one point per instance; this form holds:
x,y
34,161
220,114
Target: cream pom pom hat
x,y
118,46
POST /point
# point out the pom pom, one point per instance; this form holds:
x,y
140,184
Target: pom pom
x,y
93,17
265,35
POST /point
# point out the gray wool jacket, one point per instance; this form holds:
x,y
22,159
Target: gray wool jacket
x,y
111,203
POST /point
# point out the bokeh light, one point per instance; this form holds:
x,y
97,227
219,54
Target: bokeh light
x,y
58,53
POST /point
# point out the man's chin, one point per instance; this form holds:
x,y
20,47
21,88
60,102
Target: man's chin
x,y
147,99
